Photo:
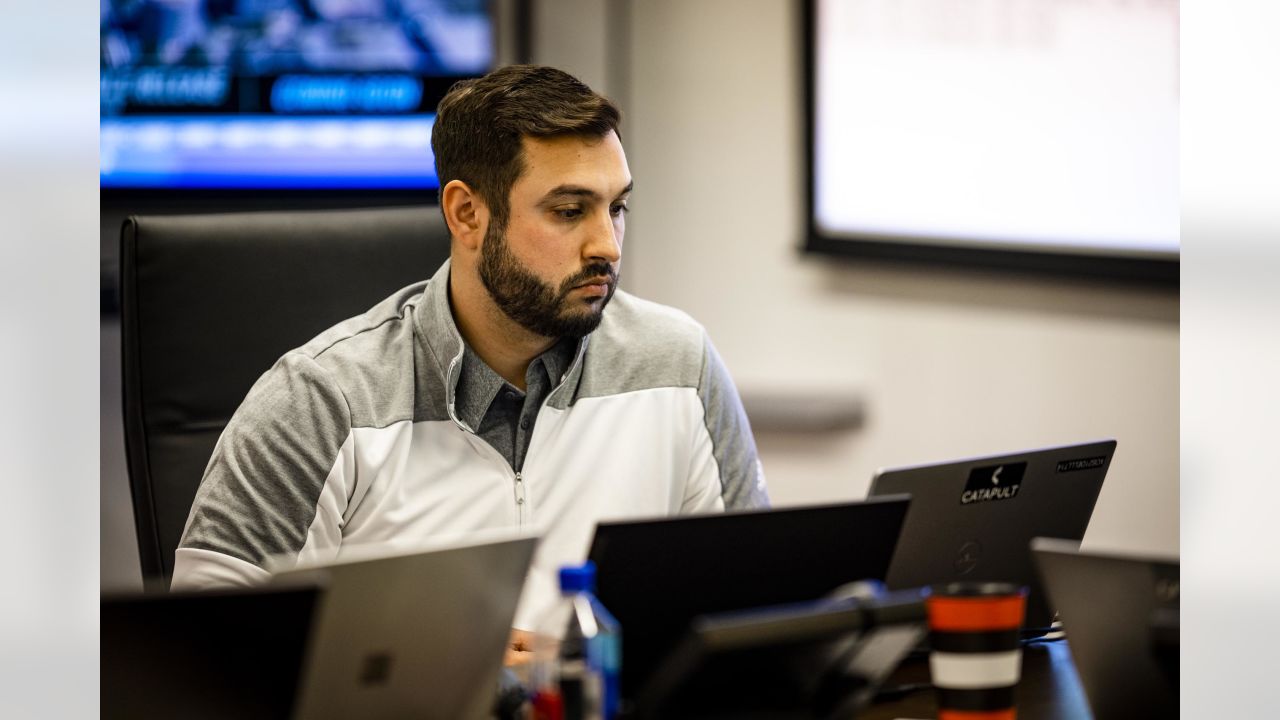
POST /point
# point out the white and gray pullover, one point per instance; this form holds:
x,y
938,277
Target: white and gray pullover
x,y
357,437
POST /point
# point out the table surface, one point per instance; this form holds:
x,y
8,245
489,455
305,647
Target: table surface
x,y
1049,688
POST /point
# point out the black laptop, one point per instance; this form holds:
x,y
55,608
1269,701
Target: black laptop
x,y
218,654
1120,613
973,519
656,576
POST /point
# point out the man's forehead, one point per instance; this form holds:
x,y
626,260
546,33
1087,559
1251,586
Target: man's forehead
x,y
580,164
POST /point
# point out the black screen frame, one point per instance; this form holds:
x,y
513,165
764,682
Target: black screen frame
x,y
939,252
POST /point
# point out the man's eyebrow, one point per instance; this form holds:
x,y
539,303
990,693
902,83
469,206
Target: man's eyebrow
x,y
561,191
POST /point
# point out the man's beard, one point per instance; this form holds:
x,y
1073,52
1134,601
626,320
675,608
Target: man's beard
x,y
535,305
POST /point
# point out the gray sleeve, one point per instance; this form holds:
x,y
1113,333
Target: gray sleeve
x,y
741,475
260,491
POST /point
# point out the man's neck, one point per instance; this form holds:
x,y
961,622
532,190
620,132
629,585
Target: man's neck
x,y
503,345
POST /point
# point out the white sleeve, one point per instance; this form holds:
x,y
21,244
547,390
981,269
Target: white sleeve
x,y
195,569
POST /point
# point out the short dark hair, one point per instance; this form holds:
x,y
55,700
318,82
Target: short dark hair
x,y
481,122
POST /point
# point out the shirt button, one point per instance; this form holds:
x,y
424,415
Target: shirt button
x,y
519,501
509,396
524,424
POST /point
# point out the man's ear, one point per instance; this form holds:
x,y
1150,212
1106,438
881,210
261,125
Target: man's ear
x,y
465,212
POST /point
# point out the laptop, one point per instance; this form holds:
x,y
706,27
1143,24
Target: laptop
x,y
377,634
1120,613
217,654
656,576
420,634
973,519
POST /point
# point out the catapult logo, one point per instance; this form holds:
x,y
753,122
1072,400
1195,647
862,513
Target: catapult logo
x,y
994,482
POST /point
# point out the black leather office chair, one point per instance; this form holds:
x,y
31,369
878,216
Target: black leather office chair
x,y
209,302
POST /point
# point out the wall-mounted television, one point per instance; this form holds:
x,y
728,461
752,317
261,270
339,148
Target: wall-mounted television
x,y
1026,134
281,94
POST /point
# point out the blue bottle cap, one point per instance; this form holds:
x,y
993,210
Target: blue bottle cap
x,y
578,578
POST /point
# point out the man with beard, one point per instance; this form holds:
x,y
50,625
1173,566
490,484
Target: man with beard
x,y
515,388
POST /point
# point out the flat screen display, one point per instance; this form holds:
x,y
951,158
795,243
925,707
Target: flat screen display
x,y
1029,126
280,93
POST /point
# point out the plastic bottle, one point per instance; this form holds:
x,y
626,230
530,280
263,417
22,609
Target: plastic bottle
x,y
577,678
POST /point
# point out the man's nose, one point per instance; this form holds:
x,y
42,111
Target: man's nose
x,y
605,240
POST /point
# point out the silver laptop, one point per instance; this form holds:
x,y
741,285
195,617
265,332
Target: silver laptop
x,y
411,634
973,519
393,631
1120,614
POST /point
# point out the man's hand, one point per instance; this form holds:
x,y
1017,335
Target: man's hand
x,y
520,649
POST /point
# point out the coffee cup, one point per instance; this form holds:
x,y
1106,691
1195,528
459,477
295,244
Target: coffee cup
x,y
975,656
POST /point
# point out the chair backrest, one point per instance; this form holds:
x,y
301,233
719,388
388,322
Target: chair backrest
x,y
209,302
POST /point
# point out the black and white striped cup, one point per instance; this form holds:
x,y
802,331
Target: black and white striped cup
x,y
975,659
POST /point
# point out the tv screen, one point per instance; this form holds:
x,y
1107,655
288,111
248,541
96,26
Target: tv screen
x,y
260,94
984,131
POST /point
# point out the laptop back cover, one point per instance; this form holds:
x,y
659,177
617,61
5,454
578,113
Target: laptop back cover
x,y
414,635
1114,611
218,654
973,519
655,576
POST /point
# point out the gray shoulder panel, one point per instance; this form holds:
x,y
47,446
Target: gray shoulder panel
x,y
260,490
640,345
259,493
380,364
742,482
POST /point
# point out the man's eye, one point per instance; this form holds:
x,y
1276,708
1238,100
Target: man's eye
x,y
569,213
619,210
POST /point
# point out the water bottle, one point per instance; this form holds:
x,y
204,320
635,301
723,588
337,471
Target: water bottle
x,y
578,678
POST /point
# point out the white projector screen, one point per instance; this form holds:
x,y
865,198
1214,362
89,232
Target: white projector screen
x,y
1045,131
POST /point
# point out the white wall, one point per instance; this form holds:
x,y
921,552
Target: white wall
x,y
950,364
